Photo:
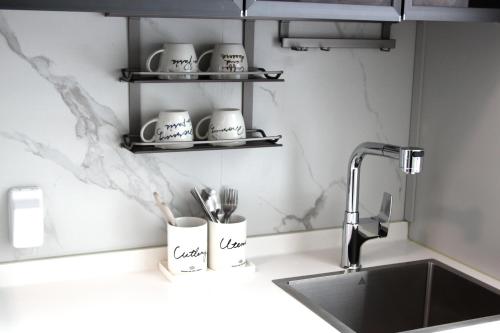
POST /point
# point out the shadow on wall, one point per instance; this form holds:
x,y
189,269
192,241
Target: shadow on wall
x,y
461,89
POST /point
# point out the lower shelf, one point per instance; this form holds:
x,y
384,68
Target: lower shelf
x,y
256,138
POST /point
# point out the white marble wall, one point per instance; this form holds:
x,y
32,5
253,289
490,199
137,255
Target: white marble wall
x,y
62,112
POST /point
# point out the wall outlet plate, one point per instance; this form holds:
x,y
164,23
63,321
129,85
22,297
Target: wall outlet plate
x,y
26,214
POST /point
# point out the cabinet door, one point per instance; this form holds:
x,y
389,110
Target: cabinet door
x,y
157,8
452,10
355,10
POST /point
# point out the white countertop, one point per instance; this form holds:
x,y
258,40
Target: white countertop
x,y
145,301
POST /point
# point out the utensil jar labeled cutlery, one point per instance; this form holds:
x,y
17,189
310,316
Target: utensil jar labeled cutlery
x,y
187,245
227,243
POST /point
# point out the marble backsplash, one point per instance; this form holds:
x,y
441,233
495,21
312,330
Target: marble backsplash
x,y
63,112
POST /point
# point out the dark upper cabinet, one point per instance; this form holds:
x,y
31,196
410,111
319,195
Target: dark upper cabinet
x,y
160,8
355,10
452,10
346,10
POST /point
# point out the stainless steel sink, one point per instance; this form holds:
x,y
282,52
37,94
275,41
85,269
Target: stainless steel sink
x,y
417,295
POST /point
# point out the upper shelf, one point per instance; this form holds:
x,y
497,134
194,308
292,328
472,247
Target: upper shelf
x,y
255,75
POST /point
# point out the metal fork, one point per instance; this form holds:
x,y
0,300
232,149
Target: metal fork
x,y
229,203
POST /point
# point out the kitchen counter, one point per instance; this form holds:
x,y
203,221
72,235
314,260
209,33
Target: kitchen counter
x,y
142,300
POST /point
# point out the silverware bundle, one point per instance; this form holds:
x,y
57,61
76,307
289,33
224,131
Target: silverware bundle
x,y
216,211
212,201
197,196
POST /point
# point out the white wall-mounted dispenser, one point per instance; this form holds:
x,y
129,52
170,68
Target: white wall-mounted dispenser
x,y
26,216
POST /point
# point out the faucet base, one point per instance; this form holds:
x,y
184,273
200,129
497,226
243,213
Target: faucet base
x,y
350,253
352,268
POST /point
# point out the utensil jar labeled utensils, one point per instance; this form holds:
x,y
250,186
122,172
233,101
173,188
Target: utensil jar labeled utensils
x,y
187,245
227,243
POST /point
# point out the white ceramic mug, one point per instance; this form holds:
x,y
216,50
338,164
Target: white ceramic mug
x,y
228,58
227,243
171,126
187,245
225,124
176,58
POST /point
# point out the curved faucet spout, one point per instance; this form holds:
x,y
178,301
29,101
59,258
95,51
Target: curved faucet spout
x,y
410,162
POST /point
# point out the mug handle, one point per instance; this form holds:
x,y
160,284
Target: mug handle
x,y
202,55
148,62
144,128
198,135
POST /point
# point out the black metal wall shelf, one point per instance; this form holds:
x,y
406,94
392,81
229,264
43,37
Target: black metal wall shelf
x,y
256,138
255,75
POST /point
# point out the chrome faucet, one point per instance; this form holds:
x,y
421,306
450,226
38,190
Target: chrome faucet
x,y
356,231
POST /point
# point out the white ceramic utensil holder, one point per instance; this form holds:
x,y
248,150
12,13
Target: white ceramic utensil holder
x,y
227,243
187,245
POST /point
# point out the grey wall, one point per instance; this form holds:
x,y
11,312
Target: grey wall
x,y
62,111
458,194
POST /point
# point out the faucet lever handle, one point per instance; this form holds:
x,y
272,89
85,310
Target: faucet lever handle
x,y
384,215
377,226
385,208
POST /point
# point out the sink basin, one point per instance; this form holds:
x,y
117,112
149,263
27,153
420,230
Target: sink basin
x,y
396,298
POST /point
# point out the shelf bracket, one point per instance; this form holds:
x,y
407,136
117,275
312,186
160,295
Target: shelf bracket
x,y
134,61
384,43
247,87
